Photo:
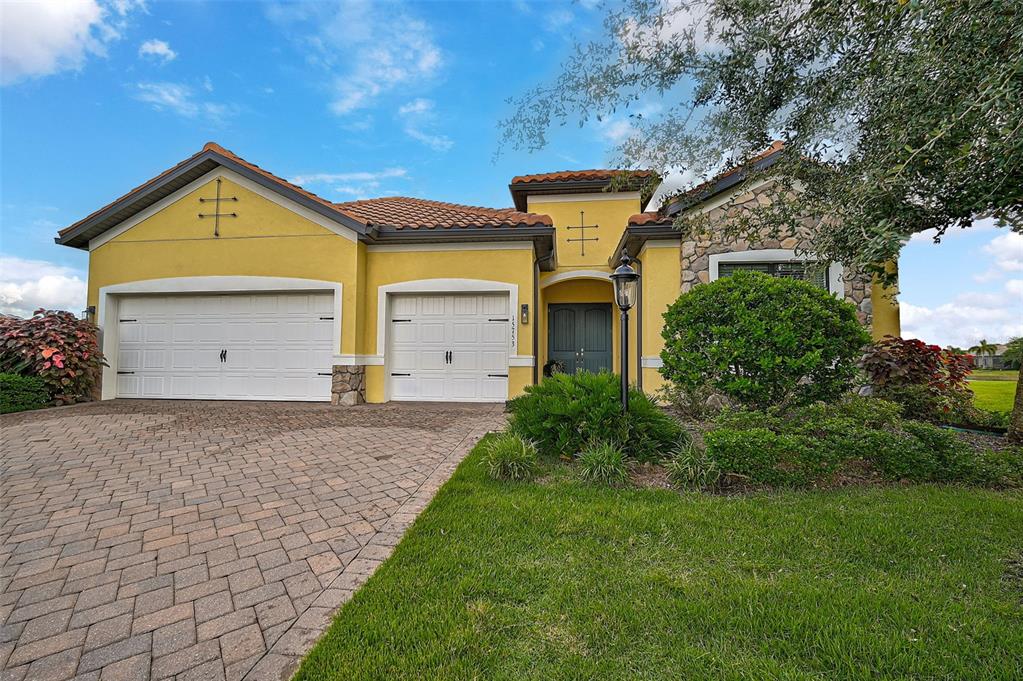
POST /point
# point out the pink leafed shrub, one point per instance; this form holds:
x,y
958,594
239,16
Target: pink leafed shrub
x,y
56,346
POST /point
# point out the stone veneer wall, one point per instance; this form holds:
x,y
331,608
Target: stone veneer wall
x,y
348,385
696,251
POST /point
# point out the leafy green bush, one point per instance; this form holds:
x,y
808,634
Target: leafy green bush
x,y
689,467
604,463
21,393
564,412
507,456
762,340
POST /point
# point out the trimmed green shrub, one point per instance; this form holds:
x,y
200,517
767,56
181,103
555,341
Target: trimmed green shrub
x,y
507,456
21,393
758,455
603,463
689,467
928,453
762,341
564,412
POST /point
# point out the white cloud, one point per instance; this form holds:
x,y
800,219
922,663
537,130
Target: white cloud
x,y
615,130
43,37
968,318
418,117
180,99
557,20
158,50
982,225
26,285
358,184
366,48
1007,251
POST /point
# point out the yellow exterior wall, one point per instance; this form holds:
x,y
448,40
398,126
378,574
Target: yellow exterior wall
x,y
610,214
661,287
886,320
391,267
265,239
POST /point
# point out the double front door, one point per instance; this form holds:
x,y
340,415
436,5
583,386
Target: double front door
x,y
579,336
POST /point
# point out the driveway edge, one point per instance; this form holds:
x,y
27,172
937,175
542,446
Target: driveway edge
x,y
281,660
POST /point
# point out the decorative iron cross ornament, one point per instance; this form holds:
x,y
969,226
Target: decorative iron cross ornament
x,y
583,238
216,214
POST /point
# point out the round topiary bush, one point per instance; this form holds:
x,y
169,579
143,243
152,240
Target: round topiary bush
x,y
762,341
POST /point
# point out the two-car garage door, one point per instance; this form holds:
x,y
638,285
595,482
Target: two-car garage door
x,y
280,346
261,346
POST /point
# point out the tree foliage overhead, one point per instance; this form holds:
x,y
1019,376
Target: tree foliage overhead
x,y
898,115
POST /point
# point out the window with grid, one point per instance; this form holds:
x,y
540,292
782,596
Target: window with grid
x,y
804,271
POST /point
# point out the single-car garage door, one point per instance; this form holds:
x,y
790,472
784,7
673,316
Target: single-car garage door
x,y
266,346
451,348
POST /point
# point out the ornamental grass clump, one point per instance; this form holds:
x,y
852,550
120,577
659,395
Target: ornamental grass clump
x,y
509,457
690,468
603,463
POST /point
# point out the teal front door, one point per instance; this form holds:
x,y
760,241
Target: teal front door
x,y
579,336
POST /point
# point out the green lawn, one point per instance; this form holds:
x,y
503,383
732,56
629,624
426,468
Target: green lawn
x,y
994,375
993,395
563,580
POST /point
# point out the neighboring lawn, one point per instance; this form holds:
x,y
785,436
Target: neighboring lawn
x,y
994,375
995,395
563,580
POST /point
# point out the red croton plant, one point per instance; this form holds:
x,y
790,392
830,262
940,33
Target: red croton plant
x,y
893,363
57,347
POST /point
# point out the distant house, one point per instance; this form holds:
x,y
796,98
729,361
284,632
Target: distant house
x,y
993,360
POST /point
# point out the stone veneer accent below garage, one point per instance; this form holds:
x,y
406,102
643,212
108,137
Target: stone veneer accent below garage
x,y
695,253
348,385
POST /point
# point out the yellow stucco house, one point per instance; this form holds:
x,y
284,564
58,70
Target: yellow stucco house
x,y
219,280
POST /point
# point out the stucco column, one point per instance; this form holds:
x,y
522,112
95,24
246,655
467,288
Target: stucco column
x,y
886,320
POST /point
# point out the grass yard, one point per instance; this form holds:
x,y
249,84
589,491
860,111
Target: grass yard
x,y
994,395
562,580
994,375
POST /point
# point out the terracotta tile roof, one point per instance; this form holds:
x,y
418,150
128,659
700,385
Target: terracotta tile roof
x,y
216,148
408,213
648,218
597,174
776,146
213,146
660,217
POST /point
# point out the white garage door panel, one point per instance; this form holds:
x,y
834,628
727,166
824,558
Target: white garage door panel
x,y
279,346
423,329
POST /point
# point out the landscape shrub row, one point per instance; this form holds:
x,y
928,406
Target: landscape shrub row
x,y
805,445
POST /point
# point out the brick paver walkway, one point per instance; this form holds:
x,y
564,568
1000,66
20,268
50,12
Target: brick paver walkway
x,y
203,540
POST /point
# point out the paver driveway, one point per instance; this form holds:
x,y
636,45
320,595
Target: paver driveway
x,y
203,540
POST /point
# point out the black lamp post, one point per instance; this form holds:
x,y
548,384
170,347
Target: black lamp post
x,y
626,282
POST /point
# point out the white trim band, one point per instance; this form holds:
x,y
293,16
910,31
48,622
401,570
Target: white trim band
x,y
575,274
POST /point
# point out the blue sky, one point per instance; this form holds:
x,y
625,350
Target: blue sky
x,y
353,100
